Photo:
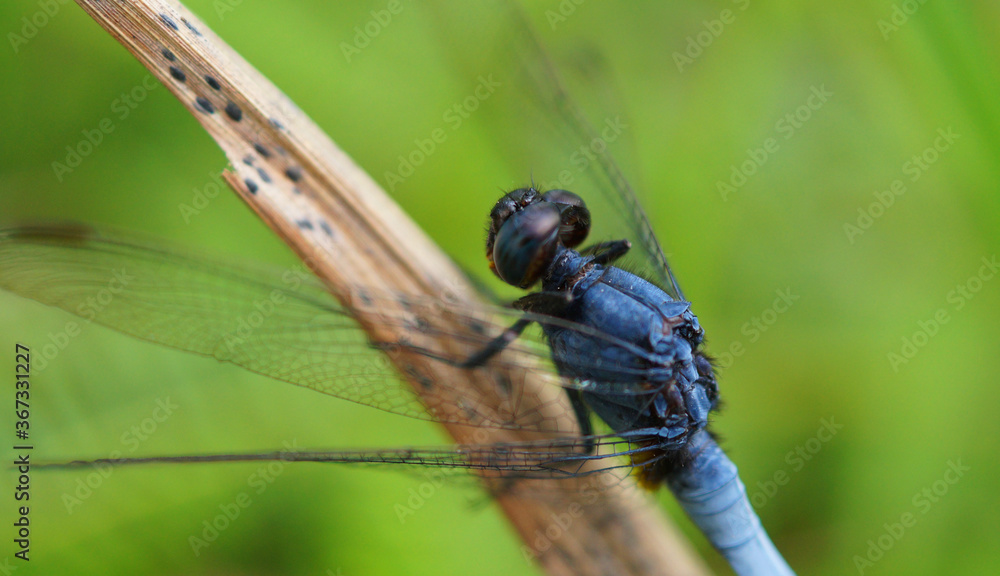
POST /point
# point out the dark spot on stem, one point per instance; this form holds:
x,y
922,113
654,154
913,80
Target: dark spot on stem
x,y
190,27
178,74
204,105
423,380
234,112
168,54
264,175
251,185
477,327
213,82
166,20
365,298
294,173
262,150
504,384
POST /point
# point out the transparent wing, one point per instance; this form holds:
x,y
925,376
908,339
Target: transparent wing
x,y
537,127
279,323
497,464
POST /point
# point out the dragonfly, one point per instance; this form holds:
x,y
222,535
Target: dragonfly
x,y
624,347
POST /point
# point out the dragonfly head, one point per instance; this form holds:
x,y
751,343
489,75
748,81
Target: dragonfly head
x,y
526,229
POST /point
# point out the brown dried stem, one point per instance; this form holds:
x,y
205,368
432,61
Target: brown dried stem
x,y
339,220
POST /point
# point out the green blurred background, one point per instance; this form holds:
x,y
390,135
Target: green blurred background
x,y
856,296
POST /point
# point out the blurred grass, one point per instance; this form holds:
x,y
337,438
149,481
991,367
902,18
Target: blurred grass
x,y
826,357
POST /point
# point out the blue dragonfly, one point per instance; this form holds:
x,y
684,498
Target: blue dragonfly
x,y
624,347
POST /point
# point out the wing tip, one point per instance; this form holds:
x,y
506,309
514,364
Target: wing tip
x,y
63,232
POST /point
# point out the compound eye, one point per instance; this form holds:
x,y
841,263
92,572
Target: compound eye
x,y
511,203
558,196
574,216
526,244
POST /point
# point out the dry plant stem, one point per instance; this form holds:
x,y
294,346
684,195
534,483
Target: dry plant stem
x,y
352,234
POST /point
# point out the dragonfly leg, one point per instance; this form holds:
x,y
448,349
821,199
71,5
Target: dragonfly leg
x,y
496,345
548,303
607,252
540,302
582,413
